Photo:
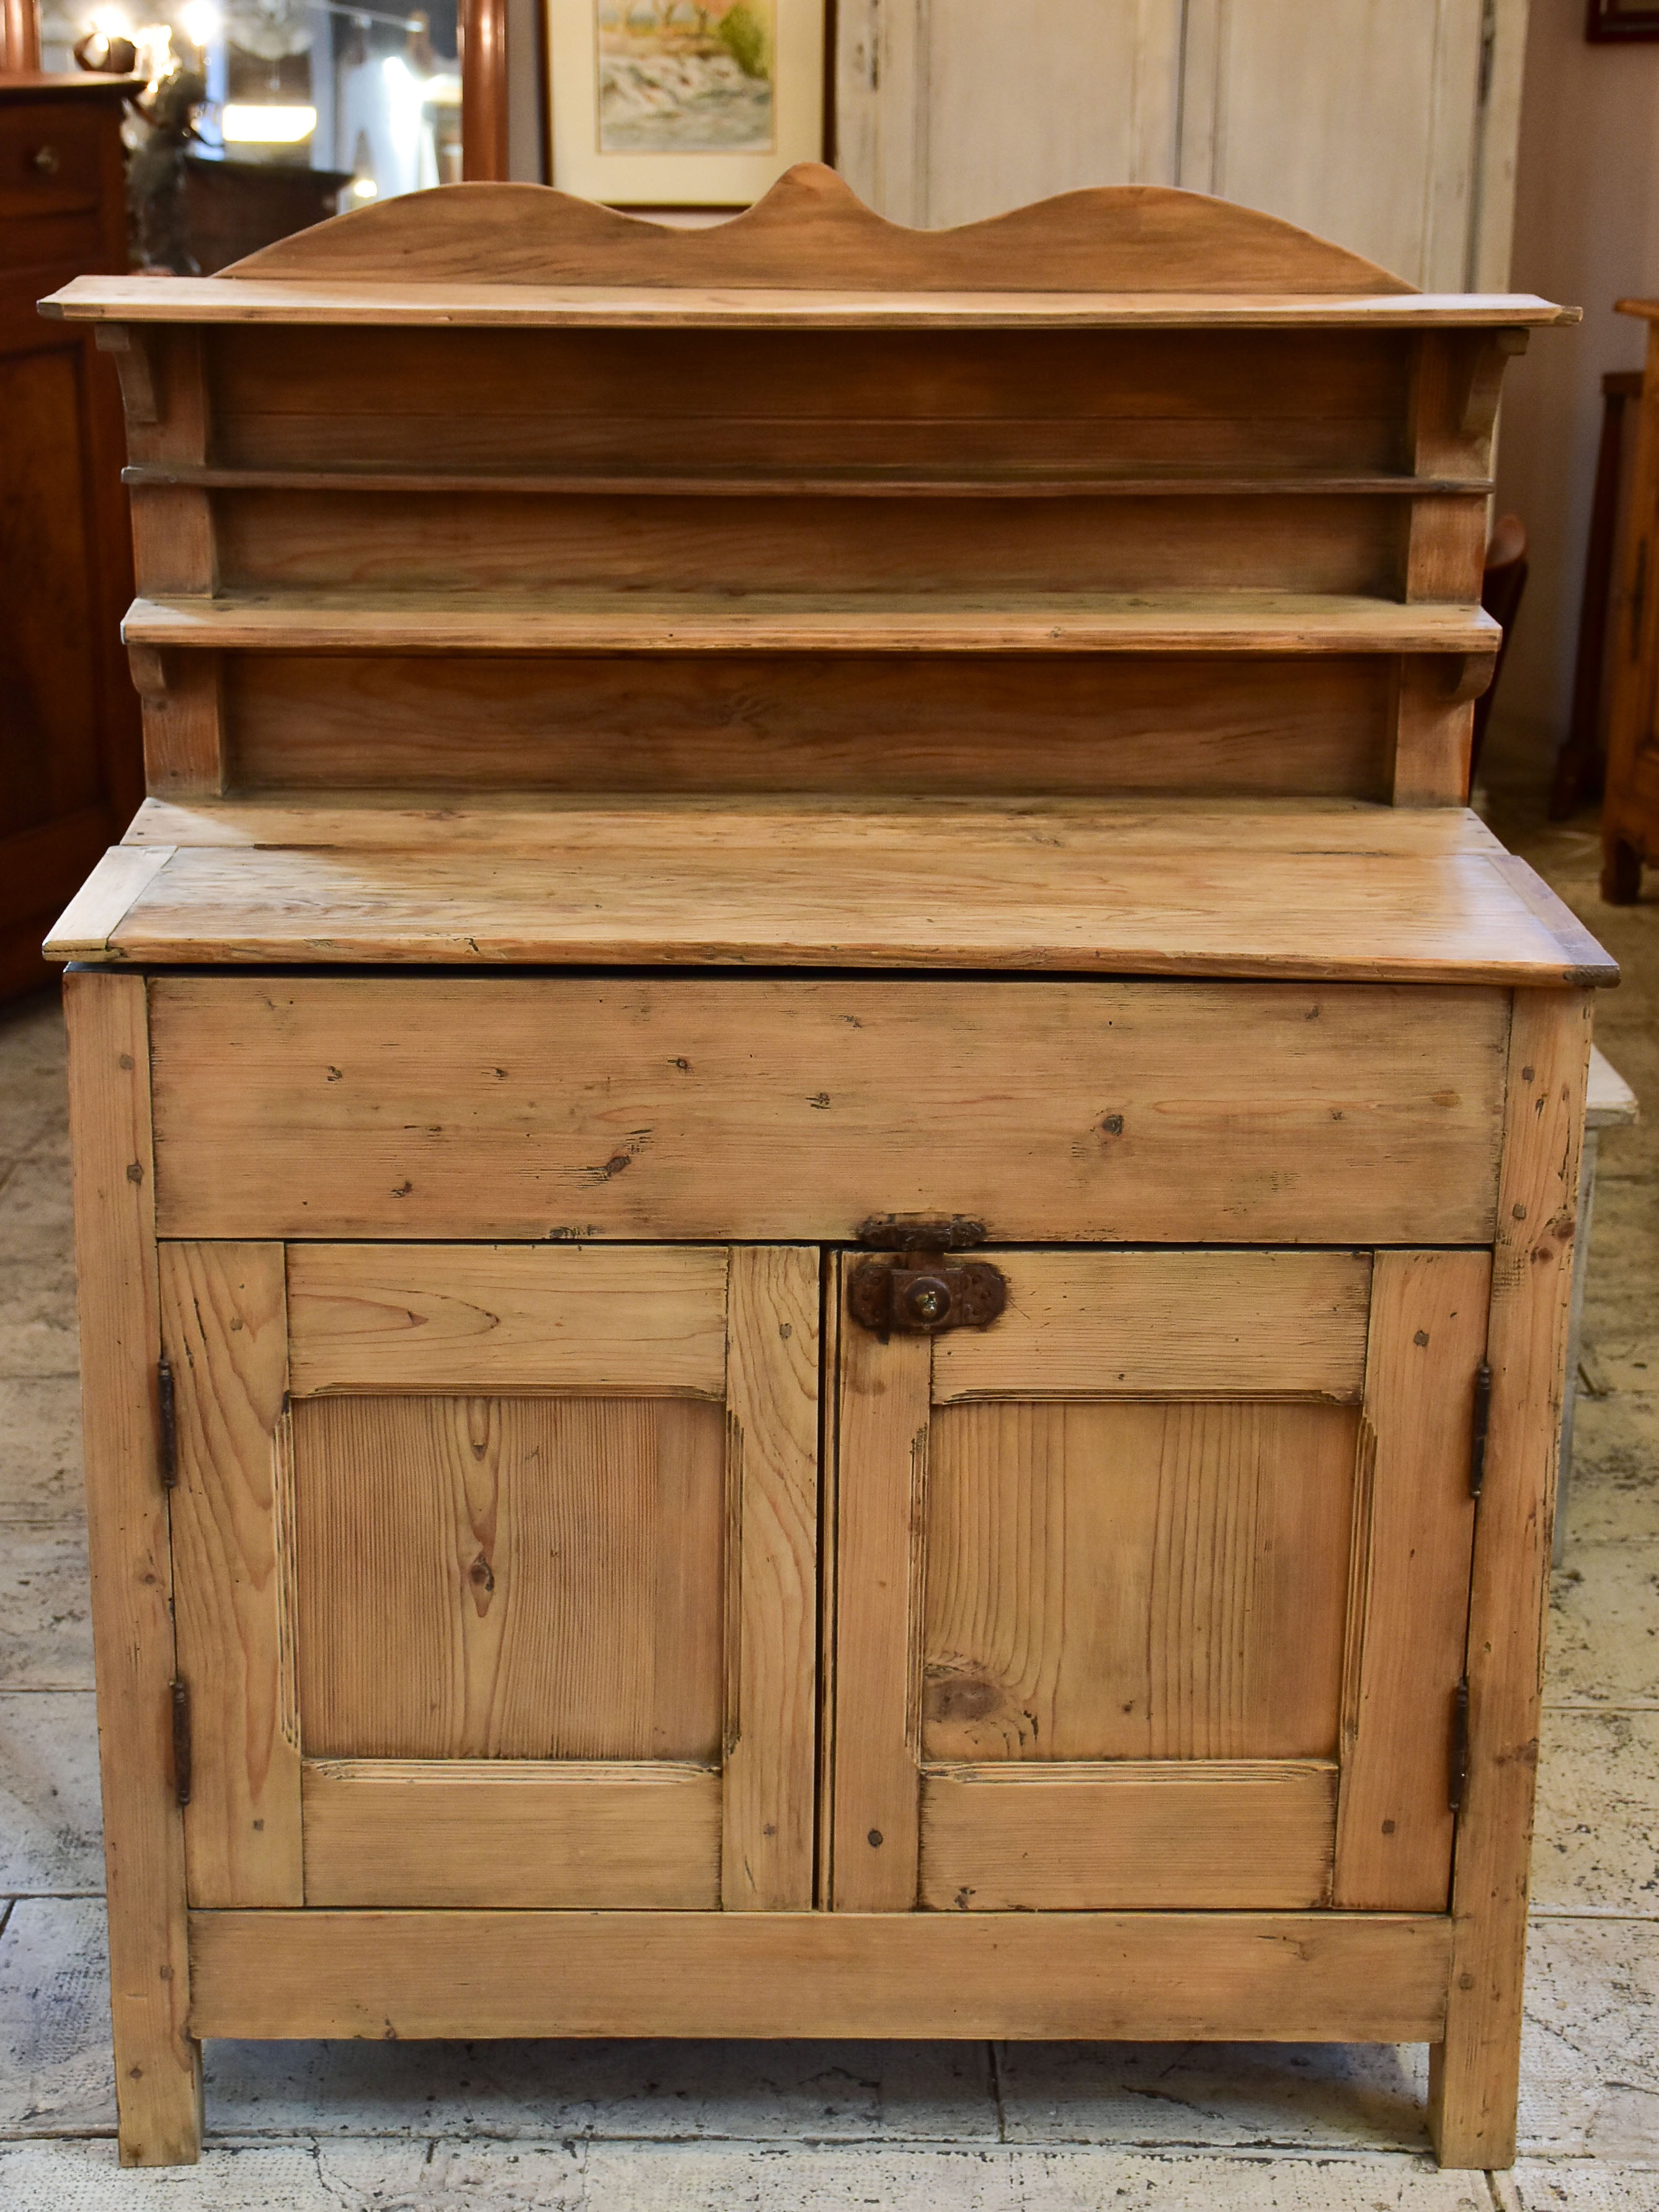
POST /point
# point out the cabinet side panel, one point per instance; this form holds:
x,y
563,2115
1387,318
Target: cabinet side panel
x,y
157,2065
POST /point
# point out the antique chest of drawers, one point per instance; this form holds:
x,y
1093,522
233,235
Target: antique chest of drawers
x,y
825,1197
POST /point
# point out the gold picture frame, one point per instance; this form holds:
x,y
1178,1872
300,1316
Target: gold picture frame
x,y
683,103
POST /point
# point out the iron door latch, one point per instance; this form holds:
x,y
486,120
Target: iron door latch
x,y
921,1287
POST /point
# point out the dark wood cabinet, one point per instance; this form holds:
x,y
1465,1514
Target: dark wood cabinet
x,y
70,768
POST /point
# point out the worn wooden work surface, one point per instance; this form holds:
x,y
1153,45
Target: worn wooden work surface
x,y
1266,889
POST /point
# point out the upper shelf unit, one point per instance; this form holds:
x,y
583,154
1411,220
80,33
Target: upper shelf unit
x,y
1133,490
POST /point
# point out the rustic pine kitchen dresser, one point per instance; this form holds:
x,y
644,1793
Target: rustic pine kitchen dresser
x,y
826,1196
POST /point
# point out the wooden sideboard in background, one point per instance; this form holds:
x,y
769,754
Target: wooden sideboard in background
x,y
70,767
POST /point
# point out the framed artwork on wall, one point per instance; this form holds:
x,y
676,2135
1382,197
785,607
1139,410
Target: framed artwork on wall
x,y
1611,20
683,103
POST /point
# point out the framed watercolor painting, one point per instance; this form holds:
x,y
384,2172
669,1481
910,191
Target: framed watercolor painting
x,y
1610,20
683,103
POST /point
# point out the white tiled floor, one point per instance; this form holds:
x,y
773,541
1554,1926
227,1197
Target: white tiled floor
x,y
835,2127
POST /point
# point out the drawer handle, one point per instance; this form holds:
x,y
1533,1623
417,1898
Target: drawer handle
x,y
47,160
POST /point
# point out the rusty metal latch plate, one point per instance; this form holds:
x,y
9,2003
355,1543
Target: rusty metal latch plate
x,y
924,1292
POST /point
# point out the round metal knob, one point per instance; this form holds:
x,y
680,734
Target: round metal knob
x,y
927,1300
47,160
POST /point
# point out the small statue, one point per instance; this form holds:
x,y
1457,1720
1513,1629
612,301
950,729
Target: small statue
x,y
155,173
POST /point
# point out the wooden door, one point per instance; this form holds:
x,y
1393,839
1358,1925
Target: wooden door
x,y
1389,126
1152,1593
495,1572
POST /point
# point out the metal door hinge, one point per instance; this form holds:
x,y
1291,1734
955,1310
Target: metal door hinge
x,y
1480,1418
166,1442
180,1693
1458,1782
918,1290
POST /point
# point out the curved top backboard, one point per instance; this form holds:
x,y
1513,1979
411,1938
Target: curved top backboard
x,y
811,231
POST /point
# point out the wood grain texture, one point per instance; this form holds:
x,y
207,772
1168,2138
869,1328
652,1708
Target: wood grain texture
x,y
1111,1324
812,228
881,1489
1428,1335
84,930
1313,726
577,619
332,819
272,302
1135,1581
157,2064
859,402
1132,1835
1474,2072
445,1834
1433,734
481,1318
1202,1977
768,1812
1317,1115
224,1330
510,1578
1308,916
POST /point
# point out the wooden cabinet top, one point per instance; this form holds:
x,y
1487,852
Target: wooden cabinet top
x,y
1274,890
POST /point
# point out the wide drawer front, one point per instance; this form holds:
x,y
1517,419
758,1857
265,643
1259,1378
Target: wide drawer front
x,y
769,1107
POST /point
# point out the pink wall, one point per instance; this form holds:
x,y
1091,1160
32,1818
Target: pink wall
x,y
1586,232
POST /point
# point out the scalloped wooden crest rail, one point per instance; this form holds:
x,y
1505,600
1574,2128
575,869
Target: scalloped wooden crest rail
x,y
1139,245
811,229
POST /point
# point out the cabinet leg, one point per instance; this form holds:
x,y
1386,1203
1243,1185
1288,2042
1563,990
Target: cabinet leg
x,y
1621,873
157,2064
1475,2075
1474,2086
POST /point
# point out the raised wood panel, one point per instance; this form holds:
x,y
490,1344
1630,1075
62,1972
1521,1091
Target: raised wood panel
x,y
1111,1324
808,722
1135,1581
510,1578
1205,1977
1136,1836
482,1318
769,1812
752,1108
224,1332
1428,1335
504,1833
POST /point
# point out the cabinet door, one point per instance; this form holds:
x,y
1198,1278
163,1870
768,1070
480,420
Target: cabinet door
x,y
1152,1593
495,1572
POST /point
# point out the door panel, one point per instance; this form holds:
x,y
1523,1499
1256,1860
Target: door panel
x,y
1136,1581
1200,1834
517,1585
562,1837
510,1578
1182,1605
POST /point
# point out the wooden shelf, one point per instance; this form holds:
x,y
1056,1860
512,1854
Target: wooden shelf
x,y
871,480
251,301
1289,890
582,621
